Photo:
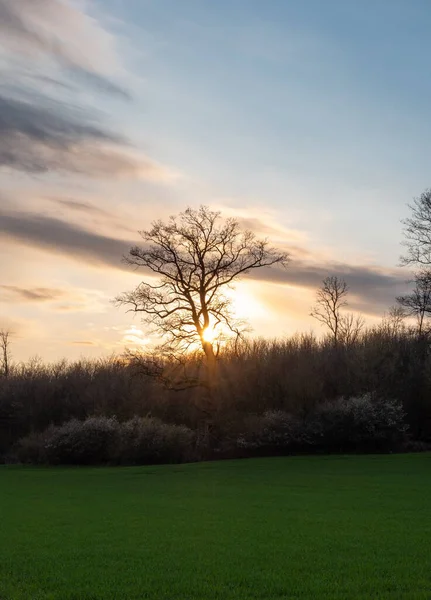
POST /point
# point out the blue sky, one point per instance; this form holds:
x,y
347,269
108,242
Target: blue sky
x,y
308,120
293,101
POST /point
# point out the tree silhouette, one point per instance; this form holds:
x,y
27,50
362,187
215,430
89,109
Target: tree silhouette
x,y
330,300
5,353
417,232
418,302
196,257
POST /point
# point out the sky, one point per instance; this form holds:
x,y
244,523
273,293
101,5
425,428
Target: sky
x,y
307,121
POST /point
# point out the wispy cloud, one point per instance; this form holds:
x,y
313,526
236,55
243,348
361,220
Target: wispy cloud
x,y
80,206
47,127
13,293
38,135
265,223
62,32
19,327
58,300
89,216
372,287
62,237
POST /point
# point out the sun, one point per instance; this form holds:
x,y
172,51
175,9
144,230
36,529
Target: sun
x,y
209,334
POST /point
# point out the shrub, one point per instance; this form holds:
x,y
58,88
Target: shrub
x,y
32,448
102,440
293,375
359,423
88,442
274,430
149,441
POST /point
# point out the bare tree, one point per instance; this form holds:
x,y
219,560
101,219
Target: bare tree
x,y
393,322
6,356
418,303
330,301
351,327
196,257
417,232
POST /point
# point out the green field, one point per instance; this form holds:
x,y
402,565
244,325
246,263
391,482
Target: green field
x,y
321,528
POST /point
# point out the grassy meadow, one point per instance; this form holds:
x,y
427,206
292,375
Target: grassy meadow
x,y
338,527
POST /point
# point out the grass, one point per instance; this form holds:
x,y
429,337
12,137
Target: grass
x,y
304,527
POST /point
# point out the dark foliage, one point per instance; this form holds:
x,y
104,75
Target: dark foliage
x,y
286,383
103,440
355,424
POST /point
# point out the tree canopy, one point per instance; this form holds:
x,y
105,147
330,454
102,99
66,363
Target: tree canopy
x,y
196,256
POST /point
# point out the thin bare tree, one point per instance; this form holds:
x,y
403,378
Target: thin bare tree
x,y
196,256
330,301
418,303
351,327
6,356
393,322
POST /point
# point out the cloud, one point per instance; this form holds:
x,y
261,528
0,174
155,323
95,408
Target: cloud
x,y
83,343
265,223
20,328
38,135
62,237
12,293
372,288
80,206
51,51
262,226
102,84
50,121
59,300
79,306
135,337
63,32
91,215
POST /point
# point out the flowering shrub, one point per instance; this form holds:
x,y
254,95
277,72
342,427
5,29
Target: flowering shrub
x,y
82,442
145,440
358,423
103,440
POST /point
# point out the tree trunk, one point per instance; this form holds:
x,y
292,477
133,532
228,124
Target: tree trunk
x,y
209,399
211,364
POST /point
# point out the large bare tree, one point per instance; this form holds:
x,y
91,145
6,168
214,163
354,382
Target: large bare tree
x,y
195,256
417,232
328,310
418,303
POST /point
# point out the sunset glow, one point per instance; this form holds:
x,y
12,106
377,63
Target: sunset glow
x,y
209,334
215,247
183,104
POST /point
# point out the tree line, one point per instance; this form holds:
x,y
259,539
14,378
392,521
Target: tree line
x,y
208,376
